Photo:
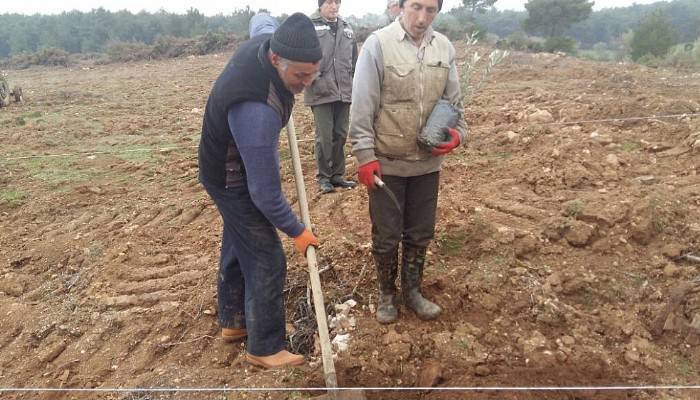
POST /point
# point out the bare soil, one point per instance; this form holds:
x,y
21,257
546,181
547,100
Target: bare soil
x,y
556,248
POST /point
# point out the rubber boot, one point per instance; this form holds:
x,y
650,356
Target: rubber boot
x,y
411,279
387,268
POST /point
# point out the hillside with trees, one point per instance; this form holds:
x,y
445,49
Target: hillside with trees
x,y
547,25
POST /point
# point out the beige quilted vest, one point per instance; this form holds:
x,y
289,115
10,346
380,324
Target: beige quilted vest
x,y
409,92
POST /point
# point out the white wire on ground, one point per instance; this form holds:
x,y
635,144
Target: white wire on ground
x,y
97,153
371,389
625,119
168,149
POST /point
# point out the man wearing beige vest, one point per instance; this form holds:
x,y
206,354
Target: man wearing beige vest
x,y
402,71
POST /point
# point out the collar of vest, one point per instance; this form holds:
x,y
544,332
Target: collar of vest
x,y
400,33
272,73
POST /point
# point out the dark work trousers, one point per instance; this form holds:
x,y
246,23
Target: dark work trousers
x,y
414,223
332,123
252,272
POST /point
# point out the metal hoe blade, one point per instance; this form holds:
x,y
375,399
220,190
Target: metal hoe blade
x,y
380,183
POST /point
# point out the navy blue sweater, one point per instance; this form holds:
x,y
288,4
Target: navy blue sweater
x,y
256,129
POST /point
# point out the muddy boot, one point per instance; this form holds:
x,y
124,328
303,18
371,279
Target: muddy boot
x,y
411,279
387,266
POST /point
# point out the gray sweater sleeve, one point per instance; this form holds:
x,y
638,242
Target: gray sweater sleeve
x,y
366,86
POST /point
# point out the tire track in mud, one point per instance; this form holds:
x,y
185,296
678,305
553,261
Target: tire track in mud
x,y
145,288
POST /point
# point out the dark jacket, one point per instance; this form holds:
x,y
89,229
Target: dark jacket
x,y
249,76
337,66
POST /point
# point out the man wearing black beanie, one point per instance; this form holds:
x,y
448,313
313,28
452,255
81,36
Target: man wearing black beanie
x,y
250,103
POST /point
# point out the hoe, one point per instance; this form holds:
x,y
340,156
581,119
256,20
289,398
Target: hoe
x,y
326,352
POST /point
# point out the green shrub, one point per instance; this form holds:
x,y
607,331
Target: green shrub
x,y
655,36
560,44
650,60
520,41
126,51
48,57
685,55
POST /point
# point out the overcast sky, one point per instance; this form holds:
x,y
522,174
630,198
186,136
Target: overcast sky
x,y
212,7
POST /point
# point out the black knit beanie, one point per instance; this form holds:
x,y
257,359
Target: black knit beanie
x,y
403,1
296,40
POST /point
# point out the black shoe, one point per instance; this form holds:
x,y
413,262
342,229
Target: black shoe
x,y
326,187
340,182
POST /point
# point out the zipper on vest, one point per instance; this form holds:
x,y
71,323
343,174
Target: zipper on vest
x,y
420,100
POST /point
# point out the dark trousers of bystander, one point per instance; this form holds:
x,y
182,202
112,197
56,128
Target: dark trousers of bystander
x,y
252,272
414,223
332,123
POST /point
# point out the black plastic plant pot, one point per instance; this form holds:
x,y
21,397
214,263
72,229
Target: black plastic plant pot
x,y
444,115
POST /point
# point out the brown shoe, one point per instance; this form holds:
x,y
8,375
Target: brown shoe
x,y
278,360
230,335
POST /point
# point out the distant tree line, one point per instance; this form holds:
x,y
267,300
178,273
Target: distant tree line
x,y
604,26
86,32
546,25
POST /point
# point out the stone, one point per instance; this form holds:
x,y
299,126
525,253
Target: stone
x,y
399,350
671,270
580,234
696,145
695,325
51,352
11,287
159,259
646,179
392,337
555,228
659,147
511,137
604,140
535,343
430,375
482,370
673,250
632,356
612,160
561,356
341,342
505,235
540,116
526,246
568,341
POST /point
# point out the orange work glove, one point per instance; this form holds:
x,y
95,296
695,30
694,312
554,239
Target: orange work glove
x,y
303,241
366,173
444,148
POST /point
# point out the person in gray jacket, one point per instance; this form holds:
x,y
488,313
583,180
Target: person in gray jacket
x,y
402,72
392,11
330,94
